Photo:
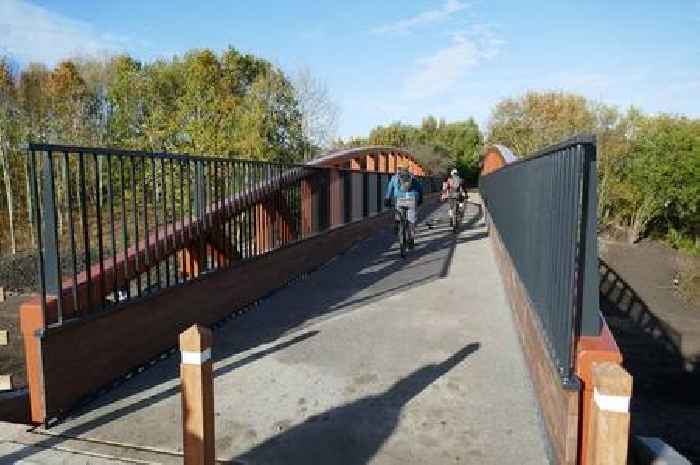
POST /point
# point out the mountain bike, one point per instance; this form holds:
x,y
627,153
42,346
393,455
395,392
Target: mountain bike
x,y
403,204
454,198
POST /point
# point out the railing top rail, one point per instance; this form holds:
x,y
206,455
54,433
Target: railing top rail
x,y
583,139
104,151
107,151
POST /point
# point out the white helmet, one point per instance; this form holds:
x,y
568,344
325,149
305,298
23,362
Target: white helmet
x,y
453,172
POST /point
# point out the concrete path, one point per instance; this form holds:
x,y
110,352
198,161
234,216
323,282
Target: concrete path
x,y
372,359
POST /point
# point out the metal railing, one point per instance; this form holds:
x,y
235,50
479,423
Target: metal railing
x,y
117,225
544,208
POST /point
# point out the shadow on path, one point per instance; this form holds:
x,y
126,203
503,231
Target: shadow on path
x,y
353,433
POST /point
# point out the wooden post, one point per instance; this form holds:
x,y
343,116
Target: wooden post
x,y
371,164
197,396
392,162
382,162
608,435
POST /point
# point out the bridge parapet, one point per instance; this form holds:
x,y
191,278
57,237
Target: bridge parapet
x,y
543,223
132,242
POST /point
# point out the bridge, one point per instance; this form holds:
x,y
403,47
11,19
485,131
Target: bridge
x,y
485,346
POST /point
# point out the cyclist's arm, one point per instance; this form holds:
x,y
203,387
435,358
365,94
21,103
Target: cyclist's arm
x,y
419,189
390,188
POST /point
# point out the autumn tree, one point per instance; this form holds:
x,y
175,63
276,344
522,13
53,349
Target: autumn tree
x,y
537,119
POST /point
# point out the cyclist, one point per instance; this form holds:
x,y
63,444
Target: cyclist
x,y
453,184
403,183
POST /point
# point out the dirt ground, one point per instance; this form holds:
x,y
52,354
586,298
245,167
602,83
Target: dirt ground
x,y
12,355
658,333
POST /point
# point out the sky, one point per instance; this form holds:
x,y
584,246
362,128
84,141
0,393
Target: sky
x,y
392,60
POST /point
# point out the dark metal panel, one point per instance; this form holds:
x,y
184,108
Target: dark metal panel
x,y
544,207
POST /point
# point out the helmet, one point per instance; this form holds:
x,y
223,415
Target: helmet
x,y
402,166
454,172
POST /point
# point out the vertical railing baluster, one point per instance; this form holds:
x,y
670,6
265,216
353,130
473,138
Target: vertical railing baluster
x,y
156,219
125,229
37,228
147,259
86,230
52,241
166,222
71,232
113,238
135,215
191,211
98,214
173,220
199,201
183,265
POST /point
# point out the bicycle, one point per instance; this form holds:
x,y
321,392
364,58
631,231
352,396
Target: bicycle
x,y
454,198
403,204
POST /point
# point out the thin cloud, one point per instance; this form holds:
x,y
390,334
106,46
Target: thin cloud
x,y
31,33
438,73
431,16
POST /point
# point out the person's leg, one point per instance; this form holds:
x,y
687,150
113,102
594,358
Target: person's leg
x,y
411,216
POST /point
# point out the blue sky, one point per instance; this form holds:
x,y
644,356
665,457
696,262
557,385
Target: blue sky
x,y
388,60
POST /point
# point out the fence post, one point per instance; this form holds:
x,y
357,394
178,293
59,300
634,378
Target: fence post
x,y
50,228
197,396
610,419
590,320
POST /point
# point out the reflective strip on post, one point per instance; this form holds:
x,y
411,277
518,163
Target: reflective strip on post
x,y
608,403
195,358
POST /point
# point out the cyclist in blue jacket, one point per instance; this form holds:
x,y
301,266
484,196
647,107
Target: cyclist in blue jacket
x,y
403,183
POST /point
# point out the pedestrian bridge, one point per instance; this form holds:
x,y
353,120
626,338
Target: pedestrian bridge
x,y
484,346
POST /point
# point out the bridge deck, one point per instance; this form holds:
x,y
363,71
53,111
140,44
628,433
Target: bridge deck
x,y
372,359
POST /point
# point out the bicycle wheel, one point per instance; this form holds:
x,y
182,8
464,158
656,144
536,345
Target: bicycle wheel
x,y
402,236
455,215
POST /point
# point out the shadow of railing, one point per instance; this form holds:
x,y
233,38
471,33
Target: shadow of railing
x,y
620,297
666,384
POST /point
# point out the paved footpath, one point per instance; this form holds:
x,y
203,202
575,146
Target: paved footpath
x,y
371,359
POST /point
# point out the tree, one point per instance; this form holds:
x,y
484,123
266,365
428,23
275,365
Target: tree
x,y
9,117
538,119
69,105
319,113
665,174
125,97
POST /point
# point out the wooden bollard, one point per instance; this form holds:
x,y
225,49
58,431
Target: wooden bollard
x,y
610,419
197,396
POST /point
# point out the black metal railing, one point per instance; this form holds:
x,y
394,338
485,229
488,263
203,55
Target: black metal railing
x,y
544,208
117,225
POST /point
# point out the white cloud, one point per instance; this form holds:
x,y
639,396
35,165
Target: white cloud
x,y
438,73
31,33
431,16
